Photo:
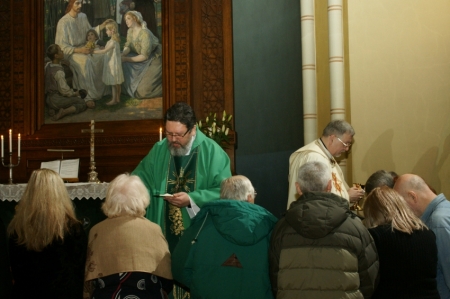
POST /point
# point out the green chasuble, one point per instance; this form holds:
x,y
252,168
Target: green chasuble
x,y
181,178
212,165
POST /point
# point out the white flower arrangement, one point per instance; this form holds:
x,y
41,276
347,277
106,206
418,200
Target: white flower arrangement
x,y
217,129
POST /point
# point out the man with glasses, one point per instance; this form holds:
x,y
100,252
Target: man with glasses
x,y
337,138
182,173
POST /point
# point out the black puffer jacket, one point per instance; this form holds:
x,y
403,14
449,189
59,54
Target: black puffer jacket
x,y
322,250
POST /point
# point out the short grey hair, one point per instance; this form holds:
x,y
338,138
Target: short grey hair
x,y
237,187
313,176
126,195
338,127
380,178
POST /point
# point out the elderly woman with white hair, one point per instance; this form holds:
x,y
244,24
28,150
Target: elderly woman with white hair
x,y
127,254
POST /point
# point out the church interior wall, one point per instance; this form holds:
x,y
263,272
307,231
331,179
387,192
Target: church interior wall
x,y
399,71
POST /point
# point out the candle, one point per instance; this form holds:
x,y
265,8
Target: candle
x,y
160,133
92,125
2,146
18,146
10,140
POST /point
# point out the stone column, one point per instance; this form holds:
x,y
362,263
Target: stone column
x,y
309,70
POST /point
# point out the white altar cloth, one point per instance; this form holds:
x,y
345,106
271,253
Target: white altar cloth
x,y
76,191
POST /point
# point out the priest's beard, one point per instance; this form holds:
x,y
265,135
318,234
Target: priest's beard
x,y
182,150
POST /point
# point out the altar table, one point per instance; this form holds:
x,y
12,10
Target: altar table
x,y
87,199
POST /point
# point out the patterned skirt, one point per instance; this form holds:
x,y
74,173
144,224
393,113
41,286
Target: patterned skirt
x,y
132,285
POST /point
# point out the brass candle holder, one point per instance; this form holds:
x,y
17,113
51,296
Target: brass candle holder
x,y
10,166
92,175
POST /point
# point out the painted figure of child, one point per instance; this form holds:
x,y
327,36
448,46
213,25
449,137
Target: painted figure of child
x,y
93,41
61,100
112,66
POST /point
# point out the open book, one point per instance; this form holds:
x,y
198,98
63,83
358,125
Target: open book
x,y
67,169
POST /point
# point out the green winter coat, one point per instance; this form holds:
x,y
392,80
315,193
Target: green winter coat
x,y
213,166
224,254
322,250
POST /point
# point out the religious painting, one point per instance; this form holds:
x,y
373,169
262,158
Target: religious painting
x,y
103,60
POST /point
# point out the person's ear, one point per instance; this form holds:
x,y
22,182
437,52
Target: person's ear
x,y
297,187
413,196
329,186
250,198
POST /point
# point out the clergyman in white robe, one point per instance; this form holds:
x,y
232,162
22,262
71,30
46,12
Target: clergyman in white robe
x,y
315,151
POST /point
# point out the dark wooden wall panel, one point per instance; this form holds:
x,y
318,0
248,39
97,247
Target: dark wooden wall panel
x,y
197,43
6,81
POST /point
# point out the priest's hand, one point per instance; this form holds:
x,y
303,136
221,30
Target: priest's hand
x,y
180,199
355,194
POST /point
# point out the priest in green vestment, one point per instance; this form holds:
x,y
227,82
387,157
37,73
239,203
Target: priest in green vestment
x,y
187,165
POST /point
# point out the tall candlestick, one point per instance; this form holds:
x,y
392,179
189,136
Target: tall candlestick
x,y
92,140
10,140
92,174
10,165
18,146
160,133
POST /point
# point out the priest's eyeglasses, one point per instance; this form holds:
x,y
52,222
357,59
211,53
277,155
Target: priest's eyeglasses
x,y
344,144
173,135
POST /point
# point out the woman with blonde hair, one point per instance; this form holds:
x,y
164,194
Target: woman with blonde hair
x,y
128,256
47,244
406,247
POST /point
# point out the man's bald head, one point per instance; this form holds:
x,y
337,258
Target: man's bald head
x,y
415,191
